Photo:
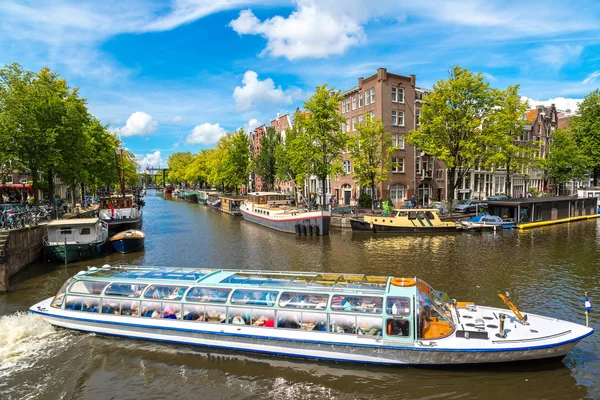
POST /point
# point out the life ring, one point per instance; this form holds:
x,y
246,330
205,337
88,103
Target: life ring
x,y
403,282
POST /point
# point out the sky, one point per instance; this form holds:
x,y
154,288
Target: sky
x,y
177,75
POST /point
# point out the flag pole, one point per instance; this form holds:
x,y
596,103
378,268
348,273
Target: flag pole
x,y
587,312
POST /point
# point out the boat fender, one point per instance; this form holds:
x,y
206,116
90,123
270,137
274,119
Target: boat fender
x,y
309,230
316,229
80,251
303,230
403,282
297,228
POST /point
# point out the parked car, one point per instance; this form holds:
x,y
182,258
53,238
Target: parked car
x,y
497,197
468,205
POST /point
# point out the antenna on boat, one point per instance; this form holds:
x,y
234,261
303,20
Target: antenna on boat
x,y
588,307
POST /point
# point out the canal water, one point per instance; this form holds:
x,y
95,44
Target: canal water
x,y
546,271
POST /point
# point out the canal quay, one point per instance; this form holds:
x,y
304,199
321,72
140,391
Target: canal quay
x,y
546,271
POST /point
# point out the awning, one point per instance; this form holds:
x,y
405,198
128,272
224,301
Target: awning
x,y
17,186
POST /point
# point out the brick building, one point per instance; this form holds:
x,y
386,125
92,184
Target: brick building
x,y
397,101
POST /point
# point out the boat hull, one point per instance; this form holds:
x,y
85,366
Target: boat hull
x,y
361,225
289,225
120,225
128,245
320,346
73,252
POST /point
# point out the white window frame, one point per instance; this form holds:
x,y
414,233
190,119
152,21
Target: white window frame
x,y
394,117
417,116
400,95
367,98
360,100
372,113
344,106
353,124
398,189
360,119
400,118
353,102
396,163
372,95
398,141
394,94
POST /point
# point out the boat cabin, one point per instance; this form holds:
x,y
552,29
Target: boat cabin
x,y
117,202
268,198
203,195
76,230
588,192
541,209
231,204
376,307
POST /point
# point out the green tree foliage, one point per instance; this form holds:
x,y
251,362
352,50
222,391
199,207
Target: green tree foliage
x,y
371,151
320,125
505,126
197,170
586,128
178,165
291,156
264,163
451,123
237,162
566,159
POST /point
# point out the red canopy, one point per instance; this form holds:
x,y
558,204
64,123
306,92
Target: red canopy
x,y
17,186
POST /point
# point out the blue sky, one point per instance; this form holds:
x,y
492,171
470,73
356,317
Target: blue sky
x,y
176,75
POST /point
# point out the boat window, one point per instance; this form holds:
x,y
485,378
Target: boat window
x,y
314,301
429,215
398,327
420,215
412,215
91,304
239,316
289,319
368,326
215,314
254,297
65,231
111,306
312,321
402,214
125,290
208,295
193,312
262,317
74,303
84,231
398,306
130,308
434,319
340,323
362,304
171,311
150,309
165,292
60,295
88,287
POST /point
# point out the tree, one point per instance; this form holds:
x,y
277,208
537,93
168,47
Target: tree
x,y
197,169
451,123
264,163
321,127
371,151
290,156
178,163
586,128
237,162
505,124
566,160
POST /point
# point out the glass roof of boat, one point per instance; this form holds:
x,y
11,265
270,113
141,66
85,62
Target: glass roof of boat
x,y
154,273
309,281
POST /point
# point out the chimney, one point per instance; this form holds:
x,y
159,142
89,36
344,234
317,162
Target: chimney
x,y
277,114
297,109
413,80
360,81
381,74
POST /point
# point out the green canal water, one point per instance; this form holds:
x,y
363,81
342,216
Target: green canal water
x,y
546,271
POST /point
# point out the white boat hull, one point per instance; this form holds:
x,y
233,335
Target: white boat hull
x,y
312,345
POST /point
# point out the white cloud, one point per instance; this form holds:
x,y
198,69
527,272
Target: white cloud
x,y
139,124
561,103
251,125
591,78
257,93
150,160
556,56
308,32
178,119
205,134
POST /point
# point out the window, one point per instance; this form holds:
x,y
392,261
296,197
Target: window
x,y
397,164
91,304
398,327
400,118
74,303
418,165
394,117
239,316
354,102
397,193
113,306
289,319
394,94
417,116
398,306
343,106
303,300
58,299
215,314
372,113
360,100
360,119
344,129
353,124
165,292
171,311
206,295
84,231
340,323
125,290
88,287
65,231
367,98
356,304
348,105
398,141
348,128
372,95
368,326
347,166
130,308
254,297
193,312
262,317
400,95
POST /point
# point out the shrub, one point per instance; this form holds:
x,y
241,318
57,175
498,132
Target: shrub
x,y
365,200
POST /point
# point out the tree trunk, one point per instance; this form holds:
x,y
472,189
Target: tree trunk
x,y
507,184
373,199
324,195
34,175
596,175
450,188
51,186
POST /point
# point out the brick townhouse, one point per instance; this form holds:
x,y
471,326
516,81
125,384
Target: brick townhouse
x,y
397,101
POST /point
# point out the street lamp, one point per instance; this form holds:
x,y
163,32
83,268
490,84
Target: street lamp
x,y
526,179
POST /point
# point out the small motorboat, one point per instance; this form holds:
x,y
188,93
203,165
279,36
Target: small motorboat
x,y
487,221
128,241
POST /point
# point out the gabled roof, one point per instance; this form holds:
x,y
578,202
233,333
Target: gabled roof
x,y
531,115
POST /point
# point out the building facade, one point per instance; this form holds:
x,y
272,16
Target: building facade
x,y
397,101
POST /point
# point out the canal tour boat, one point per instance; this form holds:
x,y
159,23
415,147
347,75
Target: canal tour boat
x,y
120,213
273,211
337,317
424,220
74,239
128,241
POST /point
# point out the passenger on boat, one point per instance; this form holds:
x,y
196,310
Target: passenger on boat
x,y
169,313
238,320
320,326
197,314
289,323
269,323
398,327
112,307
90,305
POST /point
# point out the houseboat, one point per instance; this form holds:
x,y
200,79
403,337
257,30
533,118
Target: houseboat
x,y
404,221
190,196
120,213
327,316
128,241
75,239
273,211
205,194
231,204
